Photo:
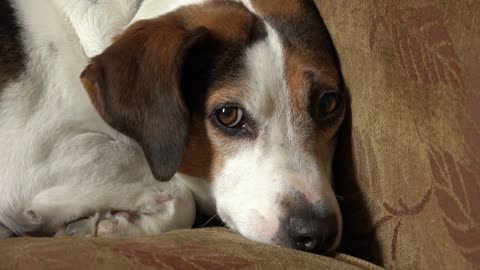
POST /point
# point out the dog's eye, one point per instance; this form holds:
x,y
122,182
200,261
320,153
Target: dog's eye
x,y
231,116
233,121
327,104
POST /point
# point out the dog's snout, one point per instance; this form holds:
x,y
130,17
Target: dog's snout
x,y
312,233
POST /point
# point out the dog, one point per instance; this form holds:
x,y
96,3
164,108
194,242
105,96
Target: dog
x,y
118,117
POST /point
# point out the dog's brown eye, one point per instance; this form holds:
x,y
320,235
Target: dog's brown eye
x,y
231,117
328,104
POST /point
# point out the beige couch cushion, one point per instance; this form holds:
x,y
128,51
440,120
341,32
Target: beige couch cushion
x,y
183,249
413,72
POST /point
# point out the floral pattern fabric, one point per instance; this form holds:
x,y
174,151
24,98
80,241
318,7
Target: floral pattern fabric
x,y
412,69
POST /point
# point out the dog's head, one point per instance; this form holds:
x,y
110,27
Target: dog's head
x,y
250,103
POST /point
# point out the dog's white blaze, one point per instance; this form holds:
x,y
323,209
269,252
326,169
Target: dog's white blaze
x,y
251,185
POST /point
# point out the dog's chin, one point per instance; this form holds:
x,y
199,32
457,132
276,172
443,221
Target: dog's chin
x,y
257,231
279,239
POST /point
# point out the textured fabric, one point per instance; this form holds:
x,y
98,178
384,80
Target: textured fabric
x,y
356,261
183,249
412,68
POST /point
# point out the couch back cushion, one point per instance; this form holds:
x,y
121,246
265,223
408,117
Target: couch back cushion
x,y
413,72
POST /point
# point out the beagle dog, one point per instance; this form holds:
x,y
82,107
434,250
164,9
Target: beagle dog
x,y
119,117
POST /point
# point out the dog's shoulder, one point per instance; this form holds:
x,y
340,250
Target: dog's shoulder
x,y
96,23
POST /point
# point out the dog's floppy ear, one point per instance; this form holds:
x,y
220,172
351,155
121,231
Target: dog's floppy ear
x,y
135,87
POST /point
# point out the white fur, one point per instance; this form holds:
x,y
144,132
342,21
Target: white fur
x,y
59,160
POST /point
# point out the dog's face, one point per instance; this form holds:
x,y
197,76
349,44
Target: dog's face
x,y
249,103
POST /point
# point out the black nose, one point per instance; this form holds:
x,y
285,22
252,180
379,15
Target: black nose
x,y
312,233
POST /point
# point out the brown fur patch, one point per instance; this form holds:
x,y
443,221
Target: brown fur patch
x,y
200,157
207,151
208,148
308,76
277,8
227,21
12,56
226,93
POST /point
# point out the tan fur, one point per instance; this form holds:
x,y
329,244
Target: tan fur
x,y
277,8
208,148
236,21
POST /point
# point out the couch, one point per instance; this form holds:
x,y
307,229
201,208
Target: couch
x,y
407,167
413,71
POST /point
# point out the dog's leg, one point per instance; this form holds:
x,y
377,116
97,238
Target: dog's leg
x,y
168,215
153,208
173,213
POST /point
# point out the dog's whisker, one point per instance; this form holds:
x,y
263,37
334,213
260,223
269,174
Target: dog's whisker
x,y
208,221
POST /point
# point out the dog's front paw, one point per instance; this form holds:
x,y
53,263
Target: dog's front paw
x,y
101,225
114,225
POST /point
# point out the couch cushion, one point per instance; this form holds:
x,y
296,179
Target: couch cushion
x,y
412,69
183,249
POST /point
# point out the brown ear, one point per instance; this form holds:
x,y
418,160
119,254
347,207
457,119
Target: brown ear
x,y
135,86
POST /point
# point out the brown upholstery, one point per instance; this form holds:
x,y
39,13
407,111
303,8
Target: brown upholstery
x,y
413,71
183,249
